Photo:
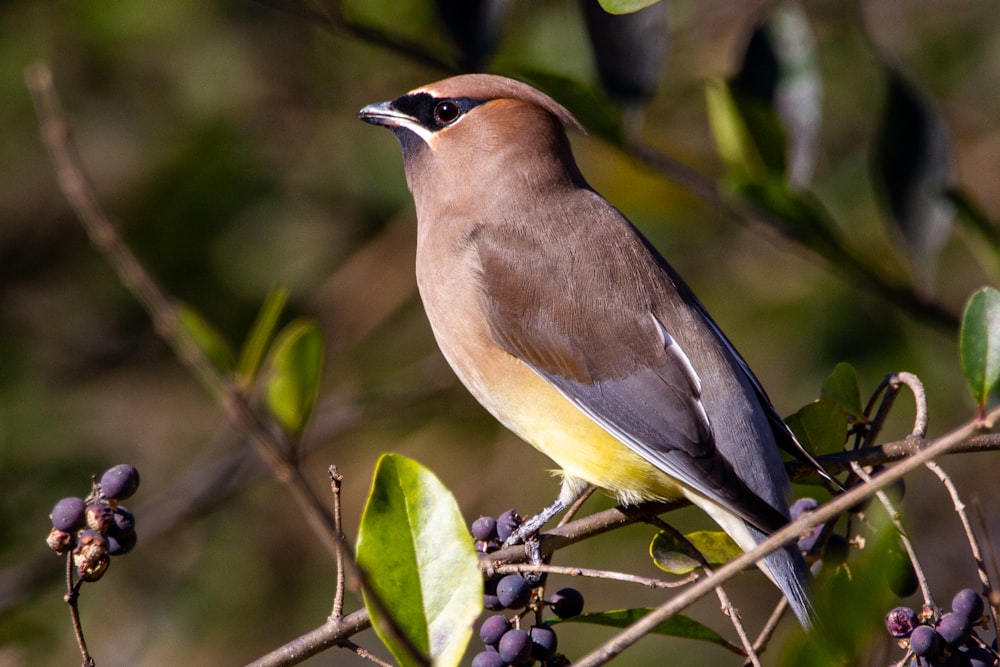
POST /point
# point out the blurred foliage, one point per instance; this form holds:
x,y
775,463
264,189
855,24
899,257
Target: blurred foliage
x,y
223,136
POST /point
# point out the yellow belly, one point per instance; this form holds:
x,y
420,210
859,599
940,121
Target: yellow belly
x,y
540,415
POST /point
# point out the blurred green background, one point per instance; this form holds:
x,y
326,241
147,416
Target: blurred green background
x,y
223,135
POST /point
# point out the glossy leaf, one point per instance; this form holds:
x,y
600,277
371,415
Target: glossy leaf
x,y
626,6
420,561
206,337
842,388
261,333
979,343
675,626
673,555
733,140
913,167
820,427
778,90
294,374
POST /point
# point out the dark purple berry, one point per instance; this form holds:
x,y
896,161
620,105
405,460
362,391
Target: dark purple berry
x,y
801,506
122,543
120,482
99,517
123,521
68,514
488,659
924,641
835,550
490,599
484,528
968,603
979,656
507,523
492,629
901,621
515,647
543,642
953,628
513,591
567,603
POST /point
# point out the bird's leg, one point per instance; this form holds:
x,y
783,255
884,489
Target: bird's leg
x,y
572,489
531,526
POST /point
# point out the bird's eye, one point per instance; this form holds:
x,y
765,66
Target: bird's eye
x,y
446,112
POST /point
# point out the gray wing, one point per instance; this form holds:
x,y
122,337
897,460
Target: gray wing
x,y
594,338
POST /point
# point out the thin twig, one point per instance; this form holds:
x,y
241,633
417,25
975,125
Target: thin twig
x,y
271,443
698,589
727,606
904,539
974,546
362,652
338,599
570,571
72,598
330,634
79,192
771,625
734,616
920,418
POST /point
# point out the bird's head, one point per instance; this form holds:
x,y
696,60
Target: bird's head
x,y
476,134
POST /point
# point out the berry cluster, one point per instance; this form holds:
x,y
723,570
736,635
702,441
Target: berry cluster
x,y
96,528
507,641
949,640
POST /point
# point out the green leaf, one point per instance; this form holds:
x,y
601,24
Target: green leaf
x,y
595,113
206,337
842,387
261,333
294,374
912,167
675,626
733,141
625,6
778,88
420,562
820,427
674,556
979,344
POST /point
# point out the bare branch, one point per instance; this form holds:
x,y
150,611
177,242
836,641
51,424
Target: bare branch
x,y
699,589
974,546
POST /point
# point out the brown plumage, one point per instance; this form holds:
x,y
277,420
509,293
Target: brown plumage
x,y
570,328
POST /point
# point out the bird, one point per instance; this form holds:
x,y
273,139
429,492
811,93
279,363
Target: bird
x,y
567,325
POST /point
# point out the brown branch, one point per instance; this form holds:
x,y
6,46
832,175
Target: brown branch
x,y
571,571
72,599
271,443
328,635
639,629
79,192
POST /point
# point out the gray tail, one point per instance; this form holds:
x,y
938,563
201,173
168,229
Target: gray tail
x,y
791,574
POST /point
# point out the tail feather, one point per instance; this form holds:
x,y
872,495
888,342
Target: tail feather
x,y
789,572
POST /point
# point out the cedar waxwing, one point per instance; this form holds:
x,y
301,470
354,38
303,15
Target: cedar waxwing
x,y
569,327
